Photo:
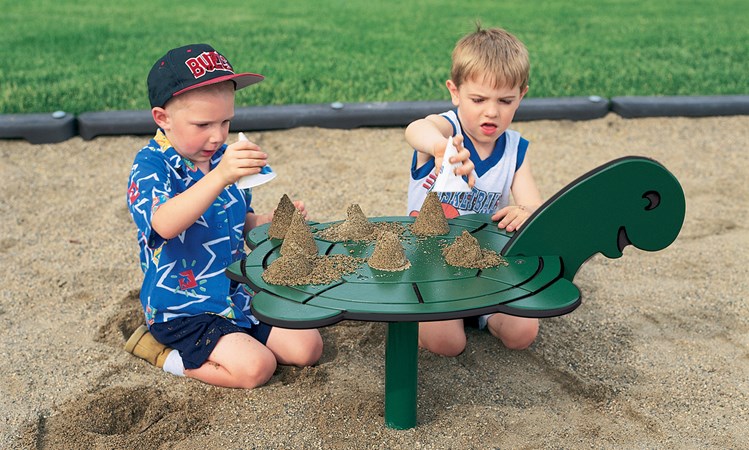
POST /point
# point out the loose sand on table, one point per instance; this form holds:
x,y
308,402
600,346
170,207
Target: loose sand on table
x,y
300,262
357,227
657,355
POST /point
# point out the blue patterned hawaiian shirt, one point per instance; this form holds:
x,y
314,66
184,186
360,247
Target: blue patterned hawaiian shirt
x,y
184,276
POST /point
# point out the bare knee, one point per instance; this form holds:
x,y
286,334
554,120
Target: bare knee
x,y
442,339
256,372
516,333
520,341
308,351
445,348
299,348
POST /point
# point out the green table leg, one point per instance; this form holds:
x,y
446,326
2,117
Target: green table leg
x,y
401,364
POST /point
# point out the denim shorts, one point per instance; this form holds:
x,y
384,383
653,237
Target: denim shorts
x,y
195,337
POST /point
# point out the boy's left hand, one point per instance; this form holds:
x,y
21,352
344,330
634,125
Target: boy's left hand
x,y
511,217
299,205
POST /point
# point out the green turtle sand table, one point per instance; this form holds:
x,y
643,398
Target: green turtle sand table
x,y
628,201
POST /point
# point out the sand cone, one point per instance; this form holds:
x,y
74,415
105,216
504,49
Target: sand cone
x,y
431,220
300,234
466,251
464,248
356,226
281,218
388,253
293,264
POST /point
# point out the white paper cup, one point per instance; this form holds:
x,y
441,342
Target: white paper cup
x,y
266,174
446,180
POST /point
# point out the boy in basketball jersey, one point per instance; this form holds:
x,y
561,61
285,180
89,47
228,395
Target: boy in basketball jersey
x,y
488,79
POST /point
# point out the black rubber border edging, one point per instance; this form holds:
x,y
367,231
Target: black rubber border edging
x,y
38,128
698,106
339,115
59,126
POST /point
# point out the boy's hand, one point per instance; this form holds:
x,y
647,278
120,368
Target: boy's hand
x,y
512,217
299,205
240,159
463,156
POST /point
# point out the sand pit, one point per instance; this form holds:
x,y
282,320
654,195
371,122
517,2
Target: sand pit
x,y
657,355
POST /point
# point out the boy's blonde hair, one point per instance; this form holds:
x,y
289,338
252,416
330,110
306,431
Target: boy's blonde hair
x,y
492,55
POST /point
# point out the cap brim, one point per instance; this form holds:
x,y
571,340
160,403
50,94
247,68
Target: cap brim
x,y
245,79
241,80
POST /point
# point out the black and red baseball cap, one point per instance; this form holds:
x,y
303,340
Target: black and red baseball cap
x,y
190,67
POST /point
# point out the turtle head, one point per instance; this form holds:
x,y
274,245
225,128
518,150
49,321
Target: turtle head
x,y
653,218
628,201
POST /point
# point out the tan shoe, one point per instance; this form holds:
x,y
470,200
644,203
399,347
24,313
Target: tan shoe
x,y
143,345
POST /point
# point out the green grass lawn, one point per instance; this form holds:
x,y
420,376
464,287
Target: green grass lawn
x,y
91,56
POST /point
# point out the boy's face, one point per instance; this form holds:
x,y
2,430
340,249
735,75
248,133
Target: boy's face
x,y
485,111
197,123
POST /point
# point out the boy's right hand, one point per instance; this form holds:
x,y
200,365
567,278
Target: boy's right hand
x,y
464,157
240,159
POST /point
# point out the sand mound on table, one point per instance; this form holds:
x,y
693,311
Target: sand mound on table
x,y
293,265
465,251
281,218
431,220
300,263
389,254
357,227
299,233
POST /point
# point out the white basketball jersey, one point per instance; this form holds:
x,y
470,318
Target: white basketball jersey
x,y
493,180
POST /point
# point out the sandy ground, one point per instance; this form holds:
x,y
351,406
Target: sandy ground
x,y
657,355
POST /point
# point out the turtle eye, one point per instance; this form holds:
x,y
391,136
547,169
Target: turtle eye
x,y
654,199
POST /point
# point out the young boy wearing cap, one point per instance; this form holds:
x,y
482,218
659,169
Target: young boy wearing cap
x,y
489,77
191,218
